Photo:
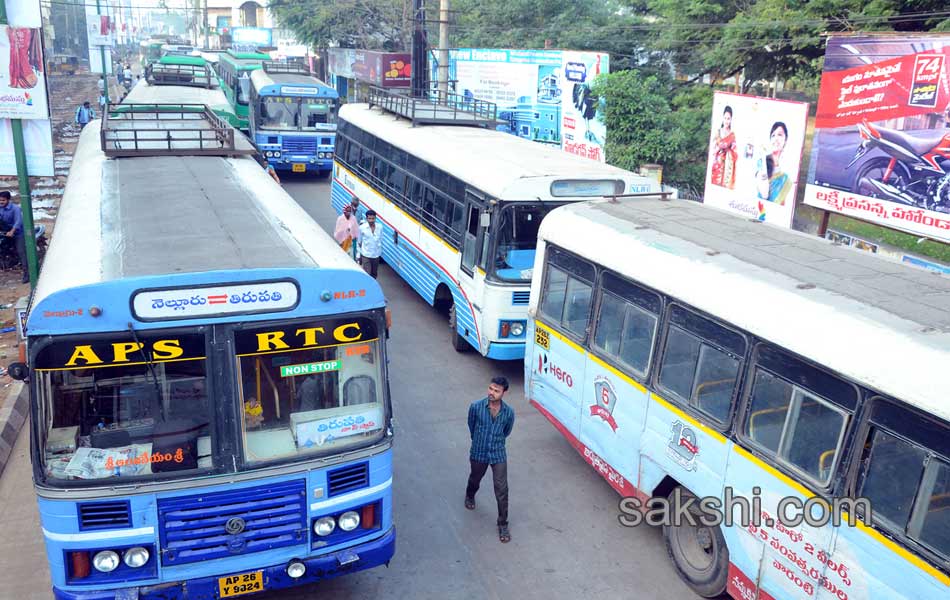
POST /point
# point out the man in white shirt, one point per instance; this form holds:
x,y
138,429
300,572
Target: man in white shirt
x,y
371,243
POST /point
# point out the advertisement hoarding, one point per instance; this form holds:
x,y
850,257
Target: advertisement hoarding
x,y
99,39
755,150
384,69
251,36
38,140
542,95
881,151
22,82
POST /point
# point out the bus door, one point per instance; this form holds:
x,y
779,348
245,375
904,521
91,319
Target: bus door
x,y
471,274
793,423
614,399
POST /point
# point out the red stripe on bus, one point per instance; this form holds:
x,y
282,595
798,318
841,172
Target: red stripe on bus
x,y
612,475
423,252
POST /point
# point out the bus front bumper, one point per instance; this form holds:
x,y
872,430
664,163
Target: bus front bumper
x,y
370,554
506,350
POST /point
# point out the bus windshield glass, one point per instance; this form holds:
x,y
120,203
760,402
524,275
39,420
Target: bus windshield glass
x,y
125,406
294,113
310,388
516,236
243,88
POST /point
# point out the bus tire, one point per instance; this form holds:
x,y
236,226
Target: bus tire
x,y
458,342
699,554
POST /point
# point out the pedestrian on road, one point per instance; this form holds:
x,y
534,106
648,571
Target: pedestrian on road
x,y
127,72
355,206
371,243
11,224
490,422
84,114
347,230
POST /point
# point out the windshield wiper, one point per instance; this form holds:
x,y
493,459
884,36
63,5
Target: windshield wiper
x,y
151,370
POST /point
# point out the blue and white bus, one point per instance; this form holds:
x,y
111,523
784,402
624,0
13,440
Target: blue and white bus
x,y
689,353
210,409
293,117
460,208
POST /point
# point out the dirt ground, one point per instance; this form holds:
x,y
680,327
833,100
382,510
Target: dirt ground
x,y
66,93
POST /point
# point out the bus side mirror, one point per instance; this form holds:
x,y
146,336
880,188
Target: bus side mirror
x,y
18,371
484,220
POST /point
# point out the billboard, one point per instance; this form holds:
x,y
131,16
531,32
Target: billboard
x,y
755,150
881,151
383,69
98,37
38,141
251,36
22,83
542,95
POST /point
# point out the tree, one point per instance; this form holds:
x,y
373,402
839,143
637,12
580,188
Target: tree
x,y
365,24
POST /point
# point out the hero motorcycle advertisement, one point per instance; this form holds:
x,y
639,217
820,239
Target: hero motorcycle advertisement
x,y
881,151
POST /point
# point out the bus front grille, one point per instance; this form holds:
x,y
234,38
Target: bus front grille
x,y
221,524
299,145
520,298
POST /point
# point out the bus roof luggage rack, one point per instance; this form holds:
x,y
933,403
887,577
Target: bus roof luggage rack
x,y
438,108
180,74
289,68
168,130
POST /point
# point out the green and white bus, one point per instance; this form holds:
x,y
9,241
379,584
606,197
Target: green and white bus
x,y
234,73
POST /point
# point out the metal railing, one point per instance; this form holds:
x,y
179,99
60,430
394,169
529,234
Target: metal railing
x,y
165,130
287,68
180,74
437,107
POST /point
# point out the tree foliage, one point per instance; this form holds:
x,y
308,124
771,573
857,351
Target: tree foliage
x,y
365,24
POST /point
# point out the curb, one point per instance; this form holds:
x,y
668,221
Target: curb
x,y
13,414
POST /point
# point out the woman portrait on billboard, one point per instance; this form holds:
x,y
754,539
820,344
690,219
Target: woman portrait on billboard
x,y
725,155
772,183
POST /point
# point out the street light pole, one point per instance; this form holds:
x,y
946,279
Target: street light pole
x,y
23,175
102,57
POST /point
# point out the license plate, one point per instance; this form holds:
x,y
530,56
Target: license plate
x,y
236,585
299,168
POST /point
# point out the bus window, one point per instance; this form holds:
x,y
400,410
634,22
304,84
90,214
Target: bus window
x,y
352,156
697,367
566,294
625,330
366,161
892,475
797,427
935,522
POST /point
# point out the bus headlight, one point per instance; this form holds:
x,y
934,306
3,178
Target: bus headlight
x,y
135,557
321,155
268,154
276,153
105,561
296,569
324,526
349,520
517,328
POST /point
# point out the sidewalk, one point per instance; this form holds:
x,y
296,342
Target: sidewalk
x,y
13,413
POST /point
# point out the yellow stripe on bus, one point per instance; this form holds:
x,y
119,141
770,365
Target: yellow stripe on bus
x,y
407,215
693,422
629,380
559,336
903,552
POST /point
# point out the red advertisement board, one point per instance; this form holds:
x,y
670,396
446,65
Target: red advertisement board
x,y
881,150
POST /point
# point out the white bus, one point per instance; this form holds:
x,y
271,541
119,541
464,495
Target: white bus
x,y
460,208
685,351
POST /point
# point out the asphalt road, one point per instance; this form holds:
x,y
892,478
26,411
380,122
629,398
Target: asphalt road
x,y
566,540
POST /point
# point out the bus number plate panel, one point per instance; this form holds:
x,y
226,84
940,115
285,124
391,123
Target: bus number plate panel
x,y
541,338
237,585
299,168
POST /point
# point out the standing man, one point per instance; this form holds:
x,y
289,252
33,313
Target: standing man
x,y
354,207
371,243
347,231
84,114
490,422
11,224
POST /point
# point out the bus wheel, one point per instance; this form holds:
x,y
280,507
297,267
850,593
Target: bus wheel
x,y
458,342
698,552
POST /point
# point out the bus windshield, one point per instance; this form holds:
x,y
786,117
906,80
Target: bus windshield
x,y
294,113
516,236
306,393
124,406
243,88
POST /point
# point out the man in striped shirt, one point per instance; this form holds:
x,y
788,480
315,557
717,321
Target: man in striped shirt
x,y
490,422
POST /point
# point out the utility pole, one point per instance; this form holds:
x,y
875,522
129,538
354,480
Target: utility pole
x,y
102,57
420,59
23,175
205,10
444,49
